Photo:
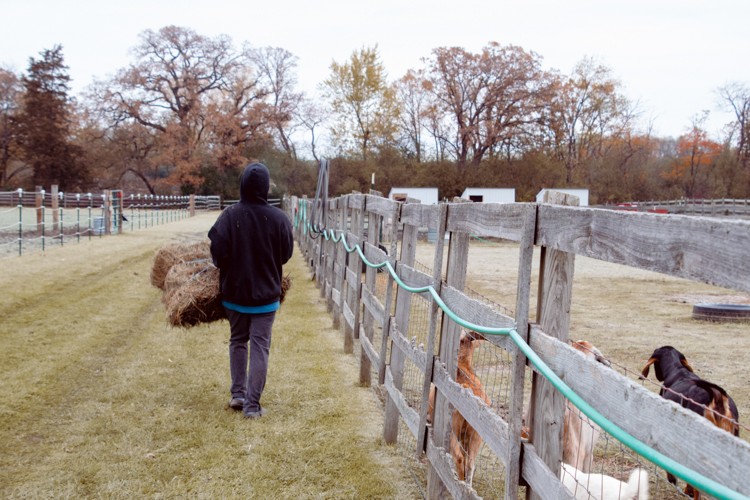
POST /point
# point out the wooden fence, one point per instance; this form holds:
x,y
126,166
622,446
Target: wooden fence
x,y
695,206
713,251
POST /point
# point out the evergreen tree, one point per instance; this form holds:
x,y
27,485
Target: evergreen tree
x,y
46,124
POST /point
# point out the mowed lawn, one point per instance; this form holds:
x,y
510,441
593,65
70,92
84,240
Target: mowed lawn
x,y
101,398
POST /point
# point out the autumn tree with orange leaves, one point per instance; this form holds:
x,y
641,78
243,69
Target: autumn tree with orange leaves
x,y
206,102
696,154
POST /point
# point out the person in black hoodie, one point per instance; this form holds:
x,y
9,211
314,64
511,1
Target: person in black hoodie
x,y
250,241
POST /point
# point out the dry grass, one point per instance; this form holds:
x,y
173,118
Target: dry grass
x,y
101,398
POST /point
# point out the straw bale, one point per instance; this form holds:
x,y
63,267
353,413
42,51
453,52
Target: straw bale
x,y
171,253
191,295
286,284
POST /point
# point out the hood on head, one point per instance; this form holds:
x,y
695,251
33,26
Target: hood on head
x,y
254,183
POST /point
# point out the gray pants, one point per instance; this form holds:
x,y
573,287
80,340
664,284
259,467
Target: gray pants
x,y
255,330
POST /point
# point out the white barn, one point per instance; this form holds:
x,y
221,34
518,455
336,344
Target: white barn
x,y
490,195
427,196
583,195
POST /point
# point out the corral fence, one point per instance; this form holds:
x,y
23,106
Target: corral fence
x,y
716,207
406,325
35,220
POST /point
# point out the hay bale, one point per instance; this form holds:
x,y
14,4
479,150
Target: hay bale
x,y
191,294
172,253
190,282
286,284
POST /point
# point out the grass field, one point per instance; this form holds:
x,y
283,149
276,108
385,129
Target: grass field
x,y
101,398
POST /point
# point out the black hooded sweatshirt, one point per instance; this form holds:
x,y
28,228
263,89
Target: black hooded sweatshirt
x,y
250,241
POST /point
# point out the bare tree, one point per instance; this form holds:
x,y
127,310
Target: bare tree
x,y
489,97
311,116
411,92
277,66
586,110
737,97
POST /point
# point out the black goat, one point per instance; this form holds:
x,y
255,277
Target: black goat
x,y
681,385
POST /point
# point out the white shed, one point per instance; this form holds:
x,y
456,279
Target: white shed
x,y
427,196
490,195
583,195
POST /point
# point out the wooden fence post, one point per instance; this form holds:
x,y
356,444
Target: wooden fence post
x,y
392,230
352,274
547,408
518,359
374,223
340,264
55,207
331,249
39,203
455,276
401,318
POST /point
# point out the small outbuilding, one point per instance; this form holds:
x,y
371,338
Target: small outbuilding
x,y
582,194
490,195
427,196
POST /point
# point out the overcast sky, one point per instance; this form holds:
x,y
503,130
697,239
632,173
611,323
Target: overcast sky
x,y
669,55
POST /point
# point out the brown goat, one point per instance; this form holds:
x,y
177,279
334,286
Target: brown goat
x,y
580,433
681,385
465,441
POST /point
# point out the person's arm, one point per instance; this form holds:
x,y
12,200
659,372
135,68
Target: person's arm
x,y
219,242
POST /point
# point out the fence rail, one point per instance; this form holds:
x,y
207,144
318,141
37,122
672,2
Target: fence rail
x,y
693,206
377,317
31,220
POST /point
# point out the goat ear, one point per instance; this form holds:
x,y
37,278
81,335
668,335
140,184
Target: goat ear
x,y
645,370
685,363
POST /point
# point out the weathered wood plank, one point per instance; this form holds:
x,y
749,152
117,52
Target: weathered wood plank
x,y
547,406
499,220
374,254
400,320
353,278
356,201
373,306
418,215
479,313
414,279
336,296
369,350
411,418
348,315
518,364
709,250
407,348
665,426
382,206
444,467
537,475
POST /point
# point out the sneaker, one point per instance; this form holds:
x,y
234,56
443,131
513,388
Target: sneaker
x,y
255,414
236,404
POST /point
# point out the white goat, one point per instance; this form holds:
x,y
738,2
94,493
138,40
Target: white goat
x,y
602,487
